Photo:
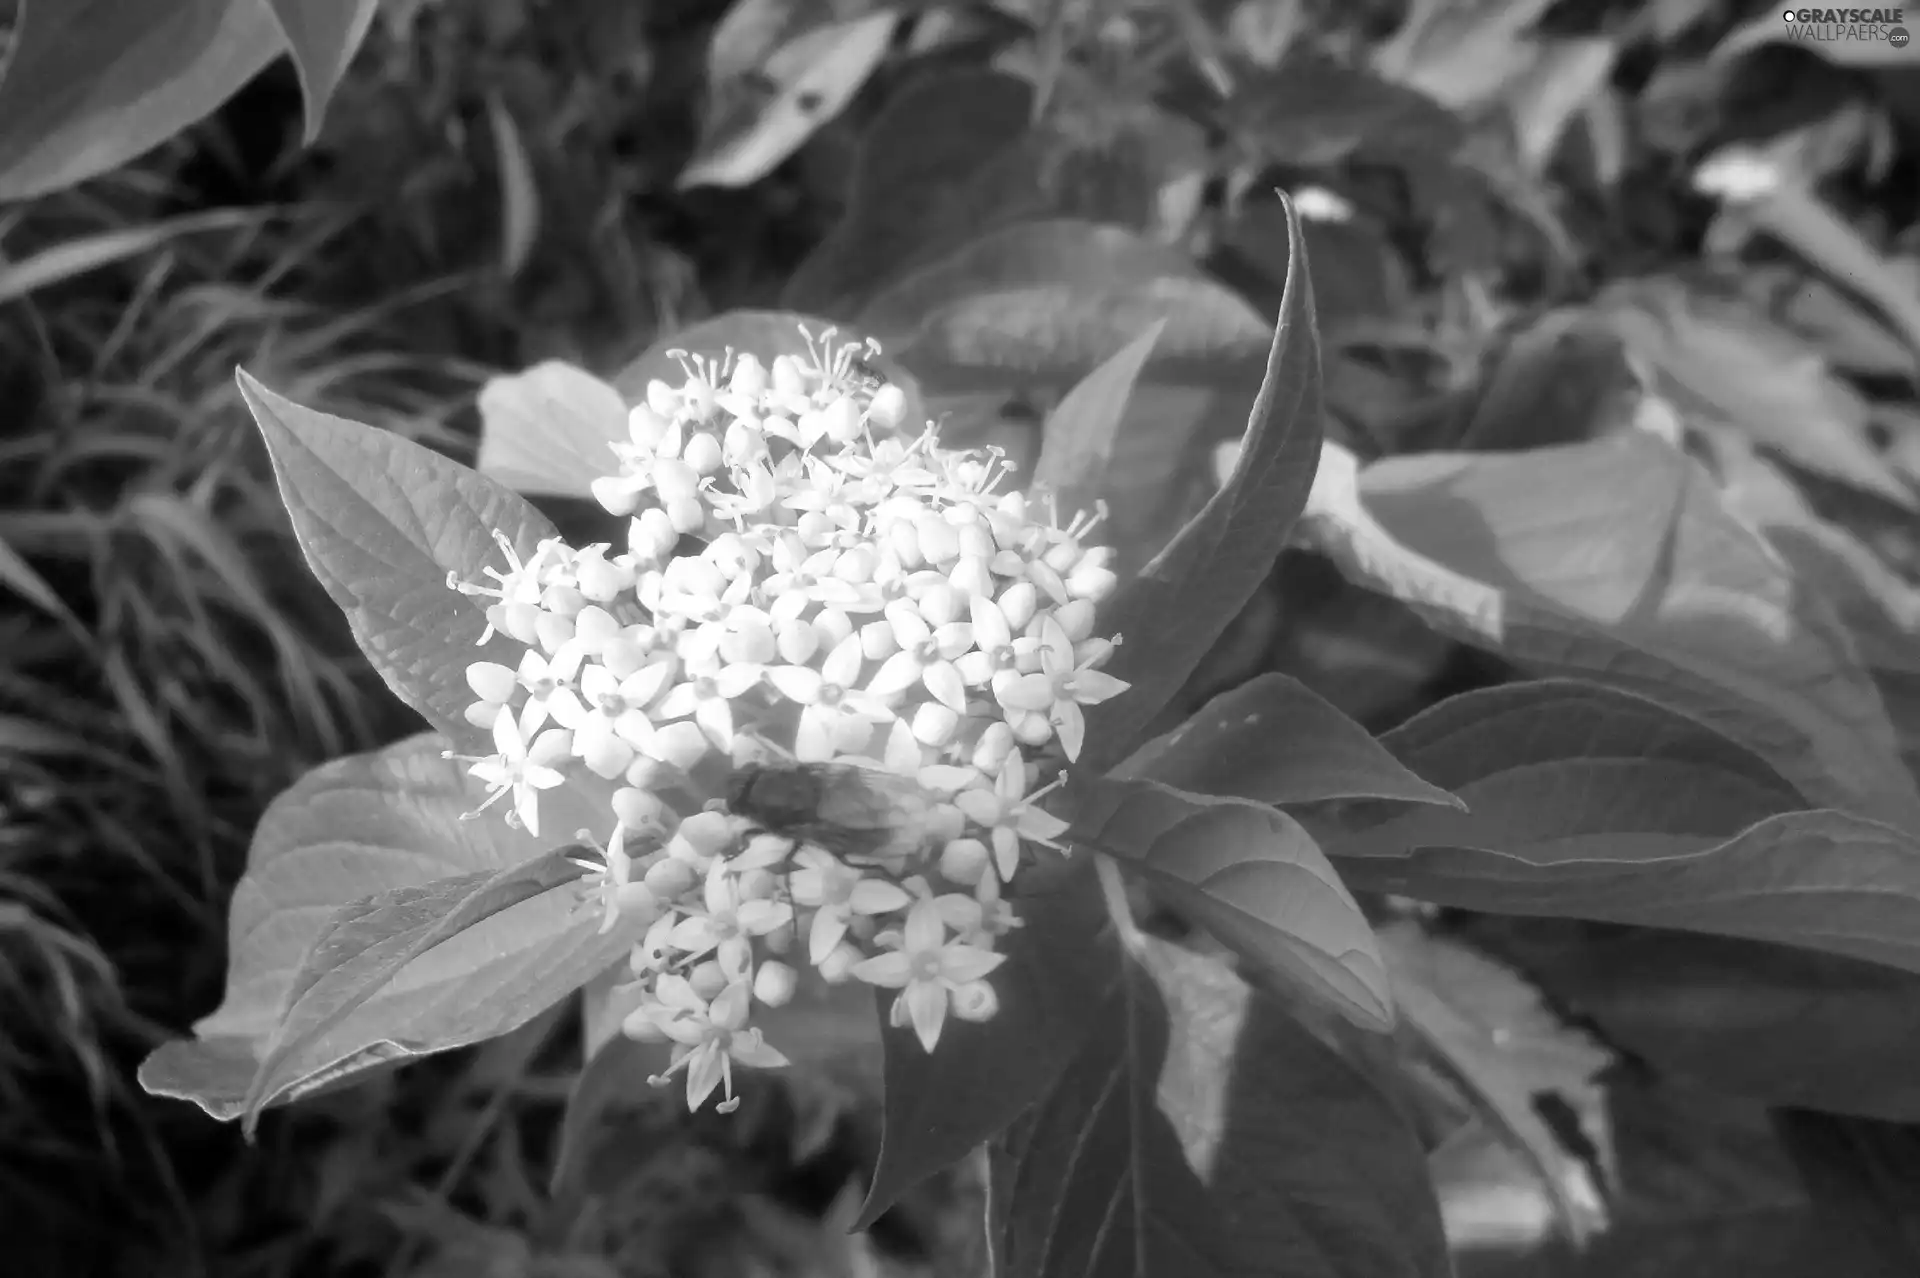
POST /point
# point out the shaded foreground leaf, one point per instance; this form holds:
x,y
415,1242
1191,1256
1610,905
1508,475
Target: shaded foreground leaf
x,y
366,944
1253,878
357,826
1614,560
1274,740
940,1106
1181,601
1202,1131
381,522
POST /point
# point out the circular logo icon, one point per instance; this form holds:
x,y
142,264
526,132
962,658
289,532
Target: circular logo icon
x,y
1788,15
1898,37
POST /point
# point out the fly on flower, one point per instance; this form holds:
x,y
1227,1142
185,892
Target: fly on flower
x,y
851,810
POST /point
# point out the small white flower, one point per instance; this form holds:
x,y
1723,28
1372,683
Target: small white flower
x,y
836,892
1060,689
831,701
926,656
1011,815
928,970
512,771
708,1037
728,923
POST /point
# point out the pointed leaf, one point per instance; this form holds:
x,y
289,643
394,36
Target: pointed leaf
x,y
1077,446
1615,560
753,127
1179,604
519,191
367,943
1201,1132
366,824
941,1106
323,36
549,429
91,84
1253,878
381,522
1274,740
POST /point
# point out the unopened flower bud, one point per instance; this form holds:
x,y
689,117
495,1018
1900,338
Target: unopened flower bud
x,y
640,1027
708,979
888,407
646,427
640,810
975,1001
552,630
702,453
670,879
963,861
837,966
774,983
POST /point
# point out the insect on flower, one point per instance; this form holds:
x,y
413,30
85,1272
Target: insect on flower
x,y
851,810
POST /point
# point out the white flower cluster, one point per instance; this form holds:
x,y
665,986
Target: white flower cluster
x,y
803,588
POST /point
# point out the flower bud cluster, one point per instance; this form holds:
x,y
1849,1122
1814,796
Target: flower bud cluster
x,y
806,588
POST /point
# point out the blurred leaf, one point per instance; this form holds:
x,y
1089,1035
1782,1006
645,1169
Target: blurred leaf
x,y
1252,877
381,522
365,945
1729,365
1614,560
519,194
1561,77
1846,333
1201,1131
1811,227
1586,803
1562,379
1780,1025
1274,740
1314,110
1458,54
322,35
801,86
549,429
941,1106
1500,1043
1180,602
1009,258
1076,448
75,257
925,181
92,84
371,823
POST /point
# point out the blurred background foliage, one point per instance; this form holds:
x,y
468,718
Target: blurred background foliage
x,y
1519,214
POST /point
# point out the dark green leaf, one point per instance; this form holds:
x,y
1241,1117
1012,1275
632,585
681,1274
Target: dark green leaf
x,y
925,181
1201,1131
366,944
1275,740
941,1106
91,84
1180,602
1077,446
1615,560
1314,110
1563,379
366,824
382,521
1253,878
1089,255
322,35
